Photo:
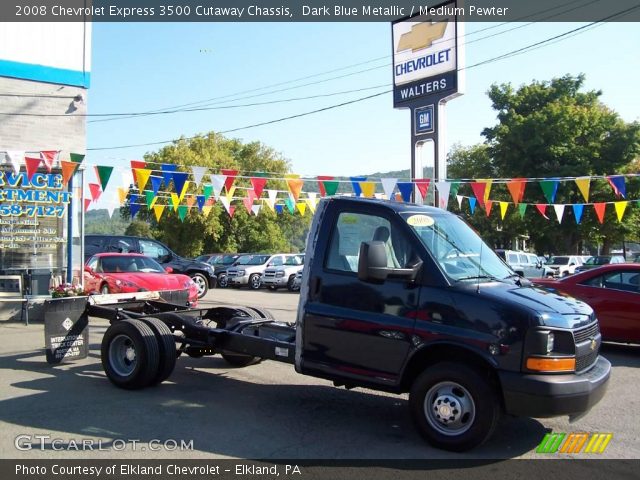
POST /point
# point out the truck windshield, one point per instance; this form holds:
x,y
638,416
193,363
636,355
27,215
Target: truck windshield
x,y
457,248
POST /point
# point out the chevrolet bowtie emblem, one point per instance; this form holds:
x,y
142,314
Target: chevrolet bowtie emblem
x,y
593,344
421,36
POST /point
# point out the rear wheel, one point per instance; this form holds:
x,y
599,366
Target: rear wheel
x,y
166,347
290,286
223,282
201,282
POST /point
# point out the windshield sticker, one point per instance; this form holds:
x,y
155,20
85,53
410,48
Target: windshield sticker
x,y
420,221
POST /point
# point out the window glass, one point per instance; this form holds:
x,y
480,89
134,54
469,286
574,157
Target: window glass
x,y
93,263
277,261
122,245
152,249
513,259
523,259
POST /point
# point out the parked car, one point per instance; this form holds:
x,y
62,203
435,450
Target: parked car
x,y
106,273
283,276
220,263
563,265
598,261
201,273
613,292
524,264
297,281
249,269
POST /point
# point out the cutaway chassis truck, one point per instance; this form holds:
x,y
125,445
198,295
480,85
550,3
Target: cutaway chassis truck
x,y
399,298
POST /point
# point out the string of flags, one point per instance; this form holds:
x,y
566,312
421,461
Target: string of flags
x,y
169,189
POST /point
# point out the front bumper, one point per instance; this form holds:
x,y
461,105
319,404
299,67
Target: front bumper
x,y
554,395
274,281
244,280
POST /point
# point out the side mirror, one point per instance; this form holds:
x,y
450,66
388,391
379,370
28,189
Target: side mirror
x,y
372,264
168,269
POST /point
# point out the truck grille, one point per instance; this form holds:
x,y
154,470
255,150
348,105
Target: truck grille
x,y
585,361
586,349
270,273
586,333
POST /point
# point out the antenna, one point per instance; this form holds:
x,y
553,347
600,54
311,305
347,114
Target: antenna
x,y
479,267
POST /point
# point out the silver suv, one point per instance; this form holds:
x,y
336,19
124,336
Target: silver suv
x,y
283,276
248,269
525,264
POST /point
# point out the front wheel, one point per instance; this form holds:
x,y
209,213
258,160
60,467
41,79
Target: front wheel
x,y
201,282
290,283
254,281
454,406
223,281
104,290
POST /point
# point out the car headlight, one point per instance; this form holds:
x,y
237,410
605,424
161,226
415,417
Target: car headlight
x,y
550,341
240,273
279,274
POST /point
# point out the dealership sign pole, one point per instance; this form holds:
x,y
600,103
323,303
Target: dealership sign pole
x,y
427,64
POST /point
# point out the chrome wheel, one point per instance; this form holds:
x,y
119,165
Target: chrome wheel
x,y
201,283
449,408
122,355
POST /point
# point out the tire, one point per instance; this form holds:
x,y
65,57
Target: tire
x,y
223,281
202,283
465,395
130,354
104,289
290,283
166,346
254,281
239,359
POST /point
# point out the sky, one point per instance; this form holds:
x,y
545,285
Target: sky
x,y
138,67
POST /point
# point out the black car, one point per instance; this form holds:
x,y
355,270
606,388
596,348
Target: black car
x,y
202,273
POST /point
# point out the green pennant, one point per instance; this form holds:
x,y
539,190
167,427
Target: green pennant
x,y
260,174
455,186
330,187
291,205
104,173
522,207
208,191
149,196
182,212
549,188
76,157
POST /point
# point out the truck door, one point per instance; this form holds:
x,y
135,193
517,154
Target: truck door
x,y
355,329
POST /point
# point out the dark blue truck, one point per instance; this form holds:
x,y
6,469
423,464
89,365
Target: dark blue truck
x,y
400,298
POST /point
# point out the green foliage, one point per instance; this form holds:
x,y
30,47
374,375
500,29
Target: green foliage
x,y
98,221
138,228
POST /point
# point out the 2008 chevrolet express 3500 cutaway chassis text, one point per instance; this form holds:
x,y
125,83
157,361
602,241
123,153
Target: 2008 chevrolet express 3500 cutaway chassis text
x,y
400,298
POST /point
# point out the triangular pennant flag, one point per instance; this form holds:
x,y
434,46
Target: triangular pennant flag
x,y
256,209
478,190
355,183
472,204
258,184
443,194
516,189
295,186
231,210
179,181
559,212
95,191
618,184
150,198
302,208
406,189
32,165
487,205
503,209
198,173
207,190
549,188
104,174
200,199
156,183
167,173
135,165
388,186
455,186
68,169
122,195
620,208
226,203
522,208
230,193
423,186
584,183
542,208
271,201
142,177
127,179
87,202
488,182
157,210
368,189
206,210
321,185
48,158
231,175
279,208
175,201
311,202
76,157
134,206
459,199
248,203
217,182
110,208
600,208
191,201
330,188
182,212
16,158
577,211
291,205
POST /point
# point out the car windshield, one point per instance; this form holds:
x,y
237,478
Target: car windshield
x,y
126,263
252,260
559,260
598,261
457,248
293,261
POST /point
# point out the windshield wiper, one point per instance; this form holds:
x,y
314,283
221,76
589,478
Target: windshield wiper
x,y
474,277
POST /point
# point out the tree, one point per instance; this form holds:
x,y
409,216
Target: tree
x,y
139,228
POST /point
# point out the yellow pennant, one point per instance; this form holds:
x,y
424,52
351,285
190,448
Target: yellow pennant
x,y
503,209
185,187
269,203
487,190
302,207
122,195
157,210
207,210
620,208
142,175
368,189
584,183
311,202
230,193
175,201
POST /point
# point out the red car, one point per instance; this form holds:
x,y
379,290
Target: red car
x,y
613,291
132,272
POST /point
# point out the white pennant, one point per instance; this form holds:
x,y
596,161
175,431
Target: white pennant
x,y
217,182
198,173
271,201
256,209
559,212
111,207
312,201
225,201
459,199
16,158
443,189
388,185
127,178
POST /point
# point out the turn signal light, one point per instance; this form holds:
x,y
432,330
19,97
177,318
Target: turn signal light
x,y
565,364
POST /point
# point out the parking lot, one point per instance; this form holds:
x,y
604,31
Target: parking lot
x,y
264,411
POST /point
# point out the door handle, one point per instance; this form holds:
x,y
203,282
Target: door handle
x,y
314,287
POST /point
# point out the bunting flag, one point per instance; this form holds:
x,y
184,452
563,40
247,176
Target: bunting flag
x,y
368,189
620,208
295,186
617,182
423,186
16,158
182,212
150,198
127,179
258,184
156,183
167,173
175,201
230,177
279,209
455,186
522,208
87,202
32,165
201,199
291,205
256,209
443,194
312,201
503,209
488,182
321,179
227,205
248,203
136,165
459,199
271,201
388,186
577,210
206,210
95,191
487,205
48,158
191,201
559,212
217,182
549,188
122,195
180,181
472,204
516,189
198,173
134,206
479,188
110,208
68,170
302,208
230,193
157,211
141,177
406,189
76,157
600,209
207,191
355,184
104,174
330,188
542,208
584,183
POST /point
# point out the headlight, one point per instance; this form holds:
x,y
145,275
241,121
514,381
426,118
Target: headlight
x,y
279,274
240,273
550,340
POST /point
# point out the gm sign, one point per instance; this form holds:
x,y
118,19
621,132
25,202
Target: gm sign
x,y
423,120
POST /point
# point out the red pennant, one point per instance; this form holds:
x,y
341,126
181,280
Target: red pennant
x,y
248,203
488,204
137,164
232,210
49,157
423,186
95,190
321,179
258,184
600,209
542,208
478,190
32,165
231,176
87,202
